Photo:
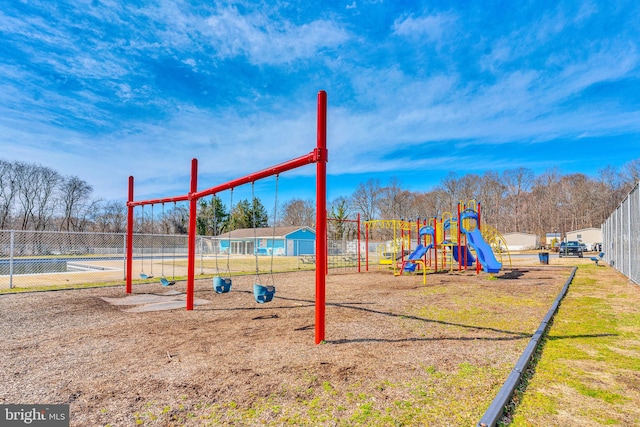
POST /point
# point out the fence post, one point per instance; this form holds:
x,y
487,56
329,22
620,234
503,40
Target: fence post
x,y
124,256
11,245
629,251
201,255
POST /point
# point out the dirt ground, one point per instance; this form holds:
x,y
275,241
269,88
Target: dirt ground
x,y
232,361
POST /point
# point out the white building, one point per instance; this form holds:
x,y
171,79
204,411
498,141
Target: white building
x,y
521,241
588,236
552,240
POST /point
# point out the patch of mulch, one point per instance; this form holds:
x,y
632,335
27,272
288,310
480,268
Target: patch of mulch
x,y
109,364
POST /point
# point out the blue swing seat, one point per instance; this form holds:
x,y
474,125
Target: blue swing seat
x,y
221,285
166,282
146,276
263,294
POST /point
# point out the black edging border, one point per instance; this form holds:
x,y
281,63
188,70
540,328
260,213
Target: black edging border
x,y
502,399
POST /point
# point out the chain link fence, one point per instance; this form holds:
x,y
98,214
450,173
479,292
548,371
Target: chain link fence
x,y
42,258
48,258
621,237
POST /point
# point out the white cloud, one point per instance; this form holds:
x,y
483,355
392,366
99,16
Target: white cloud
x,y
267,41
432,27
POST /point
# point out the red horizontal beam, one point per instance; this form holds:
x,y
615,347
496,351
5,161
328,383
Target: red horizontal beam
x,y
159,201
312,157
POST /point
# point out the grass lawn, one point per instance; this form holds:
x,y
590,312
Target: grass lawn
x,y
588,372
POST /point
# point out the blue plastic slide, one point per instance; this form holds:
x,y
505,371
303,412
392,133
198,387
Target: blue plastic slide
x,y
469,257
488,260
417,254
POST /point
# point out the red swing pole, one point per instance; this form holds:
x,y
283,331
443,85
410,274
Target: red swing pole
x,y
321,216
129,255
191,245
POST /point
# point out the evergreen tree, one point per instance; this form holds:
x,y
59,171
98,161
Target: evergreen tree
x,y
212,218
261,215
242,215
339,212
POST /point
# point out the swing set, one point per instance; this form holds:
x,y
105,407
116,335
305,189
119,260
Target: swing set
x,y
262,293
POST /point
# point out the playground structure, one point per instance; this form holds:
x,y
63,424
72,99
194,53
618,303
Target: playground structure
x,y
262,294
440,244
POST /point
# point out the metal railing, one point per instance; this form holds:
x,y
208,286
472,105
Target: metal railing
x,y
621,236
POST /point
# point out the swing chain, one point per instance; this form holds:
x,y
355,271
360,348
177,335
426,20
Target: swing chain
x,y
173,272
215,229
275,222
229,233
152,242
162,244
142,239
255,235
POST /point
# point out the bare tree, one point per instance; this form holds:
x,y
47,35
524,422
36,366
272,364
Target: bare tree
x,y
26,190
75,200
111,218
612,181
178,218
544,202
429,205
8,189
366,199
45,196
394,201
450,186
298,212
632,172
490,193
468,187
518,182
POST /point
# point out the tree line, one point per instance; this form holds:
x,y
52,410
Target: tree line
x,y
38,198
515,200
34,197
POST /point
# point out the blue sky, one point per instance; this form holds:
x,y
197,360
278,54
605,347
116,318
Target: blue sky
x,y
108,89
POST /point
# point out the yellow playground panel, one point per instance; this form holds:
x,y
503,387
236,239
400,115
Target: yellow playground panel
x,y
400,232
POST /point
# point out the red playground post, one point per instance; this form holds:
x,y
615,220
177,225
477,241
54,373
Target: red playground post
x,y
321,215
